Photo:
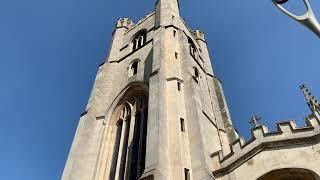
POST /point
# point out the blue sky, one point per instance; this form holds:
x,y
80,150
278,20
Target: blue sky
x,y
50,52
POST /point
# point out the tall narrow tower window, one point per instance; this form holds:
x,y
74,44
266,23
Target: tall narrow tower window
x,y
116,149
139,40
134,44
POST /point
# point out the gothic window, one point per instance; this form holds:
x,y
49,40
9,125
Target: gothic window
x,y
139,40
125,112
116,149
128,160
121,140
134,68
192,48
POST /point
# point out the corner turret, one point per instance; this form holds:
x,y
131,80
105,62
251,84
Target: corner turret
x,y
124,23
121,26
199,35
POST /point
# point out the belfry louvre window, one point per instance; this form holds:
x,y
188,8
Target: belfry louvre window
x,y
139,40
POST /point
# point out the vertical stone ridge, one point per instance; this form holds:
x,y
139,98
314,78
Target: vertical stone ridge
x,y
166,12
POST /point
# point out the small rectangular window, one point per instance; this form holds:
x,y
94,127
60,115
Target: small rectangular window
x,y
183,128
174,33
172,16
179,86
176,55
186,174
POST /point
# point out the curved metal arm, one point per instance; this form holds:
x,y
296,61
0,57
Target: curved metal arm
x,y
308,19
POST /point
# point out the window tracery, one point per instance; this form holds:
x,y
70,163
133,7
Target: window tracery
x,y
130,140
139,40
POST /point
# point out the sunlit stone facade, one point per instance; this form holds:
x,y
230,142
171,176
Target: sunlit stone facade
x,y
157,111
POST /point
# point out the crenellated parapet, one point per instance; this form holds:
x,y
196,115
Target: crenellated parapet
x,y
286,135
124,22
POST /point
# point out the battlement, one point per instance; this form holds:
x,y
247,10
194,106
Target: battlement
x,y
124,22
287,135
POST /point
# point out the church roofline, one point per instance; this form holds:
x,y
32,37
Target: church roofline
x,y
140,21
287,134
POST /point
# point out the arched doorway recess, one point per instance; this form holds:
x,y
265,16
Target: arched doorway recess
x,y
290,174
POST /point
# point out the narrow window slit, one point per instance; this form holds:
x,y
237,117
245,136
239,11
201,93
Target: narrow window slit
x,y
186,174
183,128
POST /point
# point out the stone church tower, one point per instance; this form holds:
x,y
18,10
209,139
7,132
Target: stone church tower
x,y
157,111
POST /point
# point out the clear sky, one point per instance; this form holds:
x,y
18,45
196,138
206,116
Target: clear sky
x,y
50,52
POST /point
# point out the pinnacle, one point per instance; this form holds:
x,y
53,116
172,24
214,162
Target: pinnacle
x,y
311,101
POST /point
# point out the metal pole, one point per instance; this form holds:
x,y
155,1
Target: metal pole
x,y
308,19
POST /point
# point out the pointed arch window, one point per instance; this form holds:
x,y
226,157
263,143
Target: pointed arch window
x,y
134,68
121,142
139,40
128,160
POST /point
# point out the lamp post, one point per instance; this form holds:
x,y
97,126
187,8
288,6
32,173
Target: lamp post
x,y
308,19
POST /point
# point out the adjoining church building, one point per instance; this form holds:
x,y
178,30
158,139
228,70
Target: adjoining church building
x,y
157,111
